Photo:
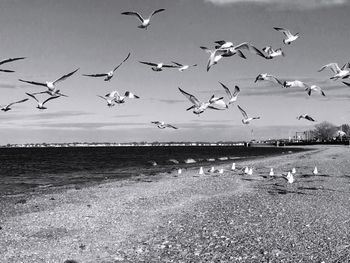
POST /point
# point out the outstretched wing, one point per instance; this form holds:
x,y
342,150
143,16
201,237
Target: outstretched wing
x,y
101,97
131,95
333,66
346,83
156,11
286,32
20,101
156,122
32,96
258,52
148,63
127,57
171,126
190,97
244,45
243,112
169,66
134,14
33,82
7,70
178,64
51,98
65,76
309,118
96,75
274,79
10,60
227,90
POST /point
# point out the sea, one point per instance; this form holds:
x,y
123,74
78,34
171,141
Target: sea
x,y
29,169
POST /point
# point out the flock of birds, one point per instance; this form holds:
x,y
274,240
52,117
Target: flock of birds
x,y
222,49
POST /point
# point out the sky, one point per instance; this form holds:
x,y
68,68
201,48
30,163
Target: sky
x,y
57,37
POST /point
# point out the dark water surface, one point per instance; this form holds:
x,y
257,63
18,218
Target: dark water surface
x,y
25,169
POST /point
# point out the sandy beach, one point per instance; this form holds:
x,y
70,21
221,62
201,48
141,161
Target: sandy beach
x,y
230,217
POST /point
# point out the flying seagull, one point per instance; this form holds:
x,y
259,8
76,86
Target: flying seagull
x,y
182,67
246,119
8,106
232,96
342,73
213,57
289,36
51,85
268,77
227,49
272,53
311,88
114,95
163,125
110,101
198,106
109,75
157,67
8,61
294,84
306,117
40,105
144,22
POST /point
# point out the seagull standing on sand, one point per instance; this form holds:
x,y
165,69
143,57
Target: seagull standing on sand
x,y
306,117
8,61
232,96
289,36
163,125
182,67
40,105
51,85
8,106
246,119
144,22
342,73
267,77
109,75
157,66
198,106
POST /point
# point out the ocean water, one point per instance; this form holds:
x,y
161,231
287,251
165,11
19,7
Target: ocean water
x,y
28,169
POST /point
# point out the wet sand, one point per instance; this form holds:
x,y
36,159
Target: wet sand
x,y
229,217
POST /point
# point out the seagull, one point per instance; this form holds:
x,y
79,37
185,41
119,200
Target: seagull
x,y
144,22
306,117
110,101
246,119
294,84
271,53
232,96
114,95
213,58
41,104
182,68
289,36
8,61
198,106
314,88
289,177
109,75
8,106
228,49
267,77
163,125
51,85
342,73
159,66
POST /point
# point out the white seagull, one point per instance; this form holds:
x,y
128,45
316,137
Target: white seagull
x,y
182,67
232,96
272,53
306,117
311,88
289,36
114,95
163,125
213,57
51,85
342,73
40,105
110,101
198,106
7,61
227,49
109,75
157,66
246,119
144,22
8,106
295,84
268,77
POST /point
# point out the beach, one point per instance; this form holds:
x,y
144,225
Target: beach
x,y
229,217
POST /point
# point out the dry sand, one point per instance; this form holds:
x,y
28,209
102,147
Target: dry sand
x,y
229,217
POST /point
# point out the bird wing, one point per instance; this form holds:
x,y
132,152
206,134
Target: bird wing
x,y
333,66
346,83
171,126
213,108
227,90
7,70
243,112
101,97
169,66
32,96
10,60
112,94
274,79
309,118
156,122
51,98
33,82
148,63
178,64
134,14
20,101
286,32
65,76
156,11
191,98
127,57
96,75
131,95
244,45
258,52
236,91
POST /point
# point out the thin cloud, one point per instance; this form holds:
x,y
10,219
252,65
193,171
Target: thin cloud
x,y
285,4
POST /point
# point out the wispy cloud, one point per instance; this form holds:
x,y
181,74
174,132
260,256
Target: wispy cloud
x,y
285,4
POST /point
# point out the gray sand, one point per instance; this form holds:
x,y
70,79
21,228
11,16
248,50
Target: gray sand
x,y
189,218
